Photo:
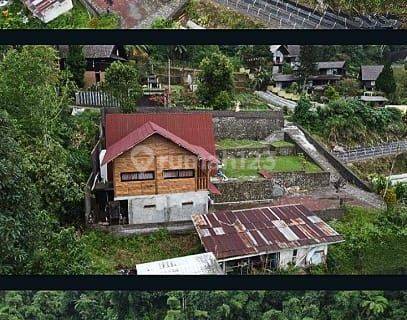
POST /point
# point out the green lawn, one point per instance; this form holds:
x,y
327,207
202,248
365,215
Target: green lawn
x,y
281,144
110,253
249,102
249,167
239,143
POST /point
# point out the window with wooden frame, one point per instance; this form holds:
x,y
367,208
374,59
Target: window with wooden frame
x,y
137,176
179,174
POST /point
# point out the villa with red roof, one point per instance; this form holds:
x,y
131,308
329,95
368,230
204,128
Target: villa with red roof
x,y
154,168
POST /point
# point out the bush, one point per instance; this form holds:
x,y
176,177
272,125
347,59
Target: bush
x,y
348,87
293,88
215,86
331,93
222,101
122,82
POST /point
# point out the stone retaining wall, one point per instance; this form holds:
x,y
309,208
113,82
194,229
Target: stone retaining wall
x,y
252,125
243,152
246,124
262,189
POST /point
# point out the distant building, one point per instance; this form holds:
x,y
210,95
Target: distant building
x,y
328,73
284,54
98,59
283,81
267,238
369,75
48,10
331,68
153,168
198,264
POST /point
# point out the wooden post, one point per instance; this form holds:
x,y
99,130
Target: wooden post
x,y
196,176
155,174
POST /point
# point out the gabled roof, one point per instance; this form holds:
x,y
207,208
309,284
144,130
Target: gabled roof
x,y
294,49
90,51
276,47
194,127
249,232
371,73
147,130
330,65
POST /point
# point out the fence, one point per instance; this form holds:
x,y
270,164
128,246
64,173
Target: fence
x,y
96,99
292,14
372,152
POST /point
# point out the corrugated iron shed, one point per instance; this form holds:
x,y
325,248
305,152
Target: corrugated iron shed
x,y
147,130
256,231
199,264
195,128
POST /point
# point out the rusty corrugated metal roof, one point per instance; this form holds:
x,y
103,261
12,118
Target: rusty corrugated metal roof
x,y
147,130
195,128
254,231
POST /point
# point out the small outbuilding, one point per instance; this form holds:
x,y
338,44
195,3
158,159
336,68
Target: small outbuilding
x,y
198,264
369,75
265,239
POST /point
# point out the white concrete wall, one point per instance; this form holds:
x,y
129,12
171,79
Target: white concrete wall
x,y
305,256
277,55
168,208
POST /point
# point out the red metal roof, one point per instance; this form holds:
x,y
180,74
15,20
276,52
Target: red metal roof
x,y
147,130
213,189
257,231
195,128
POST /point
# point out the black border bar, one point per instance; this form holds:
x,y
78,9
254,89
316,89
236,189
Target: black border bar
x,y
202,37
156,283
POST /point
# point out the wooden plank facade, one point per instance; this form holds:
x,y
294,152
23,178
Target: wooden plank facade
x,y
157,154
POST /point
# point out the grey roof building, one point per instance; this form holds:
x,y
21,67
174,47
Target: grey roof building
x,y
370,73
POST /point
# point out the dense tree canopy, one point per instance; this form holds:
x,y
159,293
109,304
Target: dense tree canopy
x,y
216,305
122,82
76,64
216,87
41,167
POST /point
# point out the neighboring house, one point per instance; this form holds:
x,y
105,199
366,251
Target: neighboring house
x,y
48,10
321,81
398,56
293,54
267,238
280,53
98,59
154,168
283,81
328,73
198,264
369,75
331,68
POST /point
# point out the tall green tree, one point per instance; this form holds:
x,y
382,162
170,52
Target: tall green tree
x,y
122,82
385,82
216,86
308,56
76,64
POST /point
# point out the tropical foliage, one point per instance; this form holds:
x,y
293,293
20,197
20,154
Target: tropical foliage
x,y
217,305
349,121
